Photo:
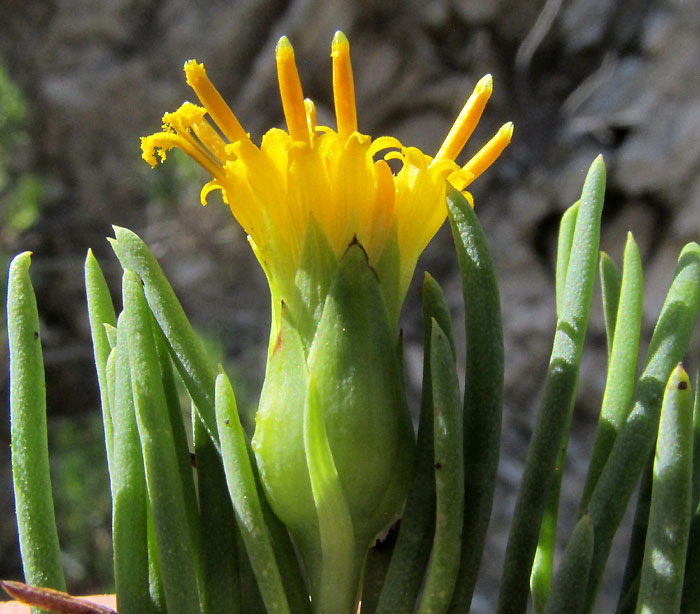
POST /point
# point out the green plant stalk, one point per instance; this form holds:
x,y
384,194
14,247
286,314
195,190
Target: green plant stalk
x,y
635,554
251,600
285,553
338,590
164,486
610,284
189,356
483,388
636,437
661,584
100,312
568,591
412,551
622,367
244,496
36,522
554,416
221,591
128,484
690,602
543,563
449,476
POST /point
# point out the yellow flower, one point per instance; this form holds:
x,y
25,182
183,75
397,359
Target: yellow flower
x,y
338,234
339,178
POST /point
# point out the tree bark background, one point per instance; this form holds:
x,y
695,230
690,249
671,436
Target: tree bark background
x,y
577,77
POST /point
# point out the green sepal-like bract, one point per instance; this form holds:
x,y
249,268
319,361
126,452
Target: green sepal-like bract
x,y
359,399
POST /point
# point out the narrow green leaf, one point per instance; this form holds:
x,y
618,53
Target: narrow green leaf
x,y
483,388
696,442
110,381
449,476
128,484
179,432
636,437
221,591
100,313
569,586
190,358
155,577
241,487
560,386
412,551
622,366
163,481
565,240
36,522
543,563
610,283
661,583
111,333
691,587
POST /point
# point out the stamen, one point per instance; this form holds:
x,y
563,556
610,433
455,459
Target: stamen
x,y
215,105
190,117
467,120
310,116
290,91
211,139
162,141
343,86
488,153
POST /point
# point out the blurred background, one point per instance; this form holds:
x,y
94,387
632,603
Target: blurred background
x,y
80,81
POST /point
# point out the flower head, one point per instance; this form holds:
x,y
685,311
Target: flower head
x,y
338,234
336,180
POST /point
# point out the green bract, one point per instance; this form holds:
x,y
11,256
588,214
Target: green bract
x,y
333,430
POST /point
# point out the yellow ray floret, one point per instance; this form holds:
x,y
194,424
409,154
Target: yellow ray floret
x,y
340,178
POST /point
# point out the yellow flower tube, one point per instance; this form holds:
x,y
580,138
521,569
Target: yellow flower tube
x,y
338,235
